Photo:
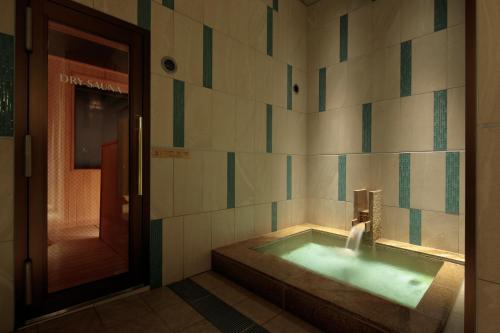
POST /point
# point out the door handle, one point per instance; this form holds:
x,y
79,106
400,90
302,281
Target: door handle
x,y
139,182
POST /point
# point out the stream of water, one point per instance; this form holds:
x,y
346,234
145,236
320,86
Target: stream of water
x,y
355,236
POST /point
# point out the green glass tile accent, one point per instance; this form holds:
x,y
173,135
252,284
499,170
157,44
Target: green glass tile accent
x,y
404,180
6,85
440,119
169,3
343,37
144,14
289,83
415,226
275,5
269,31
269,128
452,182
207,56
289,177
322,89
178,113
440,14
342,177
231,181
274,216
367,128
156,251
405,79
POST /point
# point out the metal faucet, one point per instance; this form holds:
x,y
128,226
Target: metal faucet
x,y
367,209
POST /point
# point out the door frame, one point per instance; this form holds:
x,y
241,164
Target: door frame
x,y
30,70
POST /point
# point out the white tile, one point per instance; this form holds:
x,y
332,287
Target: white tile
x,y
299,211
223,121
396,223
386,73
359,84
386,126
173,248
162,187
320,211
284,214
456,12
417,18
297,133
440,230
190,8
429,63
245,222
223,228
263,219
278,177
188,50
214,181
263,178
263,78
162,36
386,23
197,244
336,86
456,56
299,177
7,189
456,119
198,115
245,179
350,129
245,125
417,123
322,178
281,130
385,177
357,173
161,111
427,181
360,36
122,9
488,306
188,184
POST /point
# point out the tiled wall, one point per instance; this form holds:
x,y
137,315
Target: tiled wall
x,y
386,111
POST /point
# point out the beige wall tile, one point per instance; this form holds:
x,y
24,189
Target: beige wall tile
x,y
161,111
323,45
188,50
456,12
324,12
264,78
461,234
299,211
243,63
279,32
355,4
190,8
197,244
386,126
396,223
223,121
417,123
7,189
198,116
239,18
223,228
360,36
245,223
456,56
350,129
257,32
284,214
322,177
162,36
429,63
313,91
260,127
279,83
297,133
188,184
417,18
223,75
279,177
245,125
488,305
245,179
440,230
214,181
299,100
162,187
386,73
281,130
336,86
263,179
299,176
173,248
320,211
359,85
297,35
122,9
7,18
263,219
358,173
386,23
427,181
456,118
385,176
215,14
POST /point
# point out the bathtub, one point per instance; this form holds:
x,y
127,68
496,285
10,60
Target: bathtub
x,y
387,287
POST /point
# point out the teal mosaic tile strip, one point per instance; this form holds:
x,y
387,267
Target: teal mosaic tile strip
x,y
144,14
274,216
322,89
269,128
415,226
405,79
289,177
440,14
440,119
231,179
367,128
289,80
404,180
269,31
452,183
342,167
6,85
156,252
343,37
207,56
169,3
178,113
275,5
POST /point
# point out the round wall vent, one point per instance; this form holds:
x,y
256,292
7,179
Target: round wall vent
x,y
168,64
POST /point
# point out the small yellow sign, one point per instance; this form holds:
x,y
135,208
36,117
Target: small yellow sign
x,y
161,152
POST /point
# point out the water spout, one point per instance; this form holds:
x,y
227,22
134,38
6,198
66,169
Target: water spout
x,y
355,236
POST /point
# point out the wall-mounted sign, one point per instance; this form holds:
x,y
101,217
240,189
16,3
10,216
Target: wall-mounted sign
x,y
77,81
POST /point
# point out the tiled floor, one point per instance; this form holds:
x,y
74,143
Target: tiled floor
x,y
161,310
